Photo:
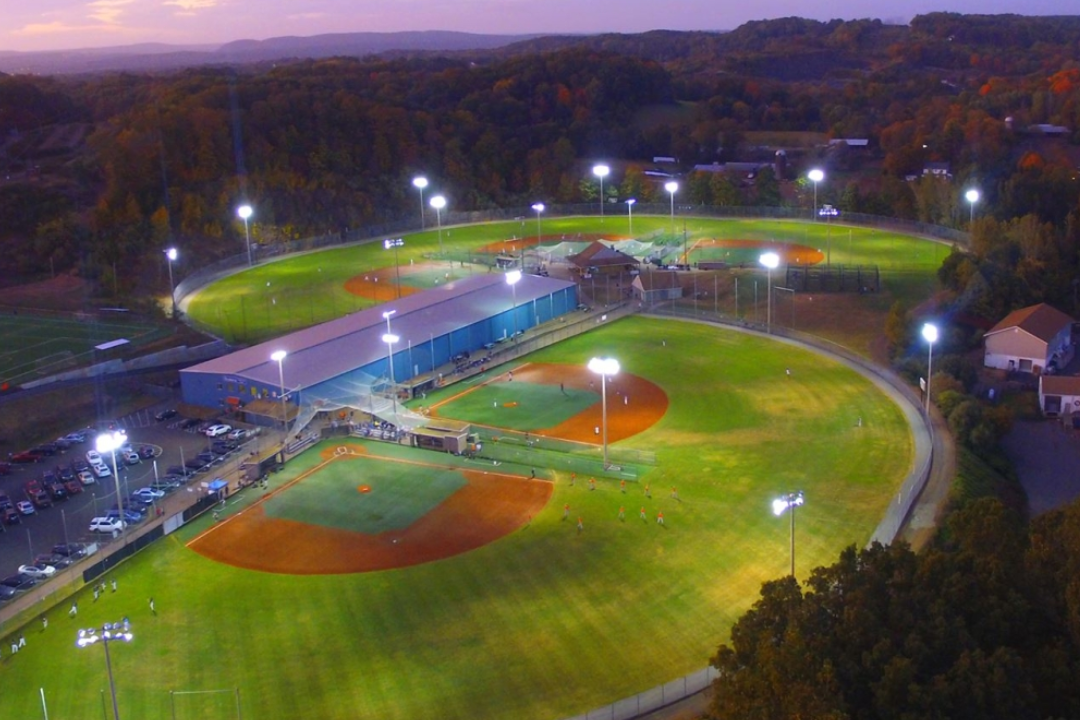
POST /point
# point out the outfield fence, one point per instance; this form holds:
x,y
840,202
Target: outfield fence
x,y
654,699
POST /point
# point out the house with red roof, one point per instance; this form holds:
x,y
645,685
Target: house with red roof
x,y
1036,339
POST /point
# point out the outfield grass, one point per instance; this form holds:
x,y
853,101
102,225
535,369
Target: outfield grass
x,y
301,290
547,622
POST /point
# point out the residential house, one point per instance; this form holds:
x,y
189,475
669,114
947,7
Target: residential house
x,y
1035,339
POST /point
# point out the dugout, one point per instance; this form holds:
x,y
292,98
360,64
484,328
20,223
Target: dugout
x,y
443,434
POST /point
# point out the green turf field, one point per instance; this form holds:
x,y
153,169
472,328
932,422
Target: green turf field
x,y
546,623
35,346
398,496
518,405
302,290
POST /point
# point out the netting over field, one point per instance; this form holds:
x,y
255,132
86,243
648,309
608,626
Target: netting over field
x,y
359,392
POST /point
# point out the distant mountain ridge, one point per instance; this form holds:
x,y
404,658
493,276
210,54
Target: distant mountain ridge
x,y
159,57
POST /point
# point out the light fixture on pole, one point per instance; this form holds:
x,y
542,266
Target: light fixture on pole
x,y
512,279
394,244
539,208
771,261
972,196
245,211
420,183
930,334
110,443
278,356
672,187
601,171
171,256
439,202
815,176
604,367
109,632
630,213
390,338
790,501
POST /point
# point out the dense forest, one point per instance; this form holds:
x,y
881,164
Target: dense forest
x,y
982,625
320,146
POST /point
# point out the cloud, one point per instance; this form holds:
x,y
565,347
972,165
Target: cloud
x,y
59,28
107,12
192,5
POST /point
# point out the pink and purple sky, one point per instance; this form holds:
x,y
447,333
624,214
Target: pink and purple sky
x,y
69,24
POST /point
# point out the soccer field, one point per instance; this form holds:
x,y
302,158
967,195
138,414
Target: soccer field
x,y
547,621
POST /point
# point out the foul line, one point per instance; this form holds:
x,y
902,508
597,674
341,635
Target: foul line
x,y
463,393
338,456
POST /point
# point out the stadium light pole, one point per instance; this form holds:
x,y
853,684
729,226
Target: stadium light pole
x,y
604,367
171,256
390,338
109,443
930,334
109,632
394,244
539,208
672,187
630,214
512,279
245,211
601,171
815,176
278,356
439,202
789,501
972,196
770,260
420,183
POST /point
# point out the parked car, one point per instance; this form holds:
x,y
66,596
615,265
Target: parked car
x,y
40,572
106,525
36,494
5,501
222,448
147,451
131,457
19,582
46,449
194,465
62,443
57,561
132,516
25,507
79,464
70,550
26,456
166,484
206,457
177,470
138,503
101,471
76,437
149,493
56,489
7,593
10,516
190,423
73,487
65,473
86,477
93,457
215,430
166,414
238,434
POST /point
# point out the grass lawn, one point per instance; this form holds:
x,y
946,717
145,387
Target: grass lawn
x,y
546,622
302,290
35,345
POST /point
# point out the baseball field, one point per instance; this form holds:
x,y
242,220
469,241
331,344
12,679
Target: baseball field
x,y
301,290
376,581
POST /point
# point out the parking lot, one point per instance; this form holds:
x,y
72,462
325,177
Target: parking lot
x,y
68,518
